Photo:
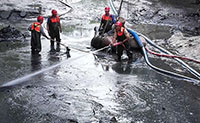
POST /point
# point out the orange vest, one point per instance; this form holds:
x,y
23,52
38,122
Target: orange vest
x,y
36,26
122,31
107,17
55,20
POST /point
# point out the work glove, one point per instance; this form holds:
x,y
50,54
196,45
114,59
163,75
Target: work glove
x,y
116,44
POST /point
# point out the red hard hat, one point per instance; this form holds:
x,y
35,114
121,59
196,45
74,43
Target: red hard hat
x,y
118,23
54,12
40,18
107,9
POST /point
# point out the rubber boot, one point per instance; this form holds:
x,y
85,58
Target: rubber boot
x,y
58,47
118,59
52,49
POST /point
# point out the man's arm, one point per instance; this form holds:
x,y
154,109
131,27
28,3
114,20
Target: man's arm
x,y
43,33
48,22
114,37
127,35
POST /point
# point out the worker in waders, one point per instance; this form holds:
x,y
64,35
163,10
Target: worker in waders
x,y
54,28
107,21
120,40
36,31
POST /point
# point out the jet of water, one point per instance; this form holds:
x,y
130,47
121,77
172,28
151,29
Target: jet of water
x,y
26,77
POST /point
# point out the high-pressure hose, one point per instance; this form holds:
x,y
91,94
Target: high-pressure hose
x,y
169,73
24,78
139,42
161,49
172,56
191,70
165,71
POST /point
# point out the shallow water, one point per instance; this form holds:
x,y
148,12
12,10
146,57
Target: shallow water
x,y
91,88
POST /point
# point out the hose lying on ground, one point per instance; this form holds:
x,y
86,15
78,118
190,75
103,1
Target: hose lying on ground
x,y
65,4
154,67
191,70
71,8
70,47
172,56
26,77
165,71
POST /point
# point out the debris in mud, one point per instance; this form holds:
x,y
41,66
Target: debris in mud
x,y
53,96
29,86
11,34
22,14
182,15
17,15
163,108
72,121
57,119
185,45
5,14
113,120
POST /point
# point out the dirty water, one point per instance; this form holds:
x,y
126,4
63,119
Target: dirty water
x,y
89,88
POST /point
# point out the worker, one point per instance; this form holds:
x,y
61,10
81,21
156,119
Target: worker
x,y
120,40
54,29
107,21
36,31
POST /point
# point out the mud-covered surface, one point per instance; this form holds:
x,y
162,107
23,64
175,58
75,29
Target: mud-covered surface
x,y
181,19
88,88
183,15
187,45
10,34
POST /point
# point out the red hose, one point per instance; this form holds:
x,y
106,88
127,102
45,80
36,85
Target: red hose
x,y
171,56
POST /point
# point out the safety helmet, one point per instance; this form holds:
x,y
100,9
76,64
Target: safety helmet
x,y
107,9
118,23
54,12
40,19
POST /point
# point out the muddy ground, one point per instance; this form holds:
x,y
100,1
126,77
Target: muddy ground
x,y
182,16
87,88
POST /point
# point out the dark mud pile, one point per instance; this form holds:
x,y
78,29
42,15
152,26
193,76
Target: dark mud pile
x,y
11,34
183,15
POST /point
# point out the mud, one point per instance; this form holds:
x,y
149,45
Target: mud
x,y
181,18
183,15
185,45
11,34
90,88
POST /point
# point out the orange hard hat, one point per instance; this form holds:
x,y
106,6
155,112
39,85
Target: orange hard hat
x,y
54,12
118,23
107,9
40,19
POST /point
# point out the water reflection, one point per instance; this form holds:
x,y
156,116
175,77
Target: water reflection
x,y
108,62
122,68
35,62
63,93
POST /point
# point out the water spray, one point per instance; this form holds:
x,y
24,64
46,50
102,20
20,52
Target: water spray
x,y
26,77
